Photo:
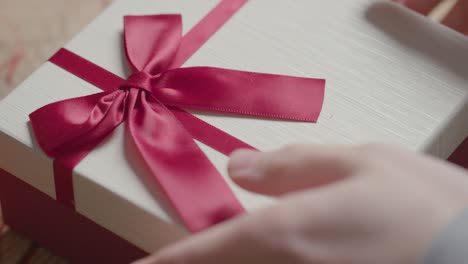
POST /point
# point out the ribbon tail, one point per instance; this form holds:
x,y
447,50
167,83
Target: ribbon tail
x,y
177,166
245,93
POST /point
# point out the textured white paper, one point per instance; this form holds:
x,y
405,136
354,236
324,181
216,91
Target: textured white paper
x,y
392,76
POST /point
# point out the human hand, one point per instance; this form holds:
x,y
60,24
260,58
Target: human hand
x,y
337,204
456,19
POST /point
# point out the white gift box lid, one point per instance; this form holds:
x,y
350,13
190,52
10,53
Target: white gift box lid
x,y
392,76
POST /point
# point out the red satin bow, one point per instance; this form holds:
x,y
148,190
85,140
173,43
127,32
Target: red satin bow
x,y
69,129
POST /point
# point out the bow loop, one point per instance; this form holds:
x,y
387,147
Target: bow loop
x,y
151,42
68,125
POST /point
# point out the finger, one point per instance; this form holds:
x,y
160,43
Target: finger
x,y
420,6
237,241
458,17
291,169
215,244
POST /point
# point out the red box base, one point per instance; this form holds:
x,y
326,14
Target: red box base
x,y
74,237
460,155
66,233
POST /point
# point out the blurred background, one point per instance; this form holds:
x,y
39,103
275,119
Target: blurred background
x,y
30,32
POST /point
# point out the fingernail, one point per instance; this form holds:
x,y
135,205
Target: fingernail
x,y
243,164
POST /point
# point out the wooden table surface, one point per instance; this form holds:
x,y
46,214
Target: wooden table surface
x,y
30,32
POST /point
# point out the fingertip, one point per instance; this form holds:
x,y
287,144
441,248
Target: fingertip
x,y
246,169
242,164
292,168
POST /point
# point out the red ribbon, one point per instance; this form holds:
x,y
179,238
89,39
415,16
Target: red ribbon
x,y
162,134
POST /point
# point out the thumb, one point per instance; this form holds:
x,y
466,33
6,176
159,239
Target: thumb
x,y
293,168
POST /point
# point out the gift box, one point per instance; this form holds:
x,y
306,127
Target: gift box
x,y
107,185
